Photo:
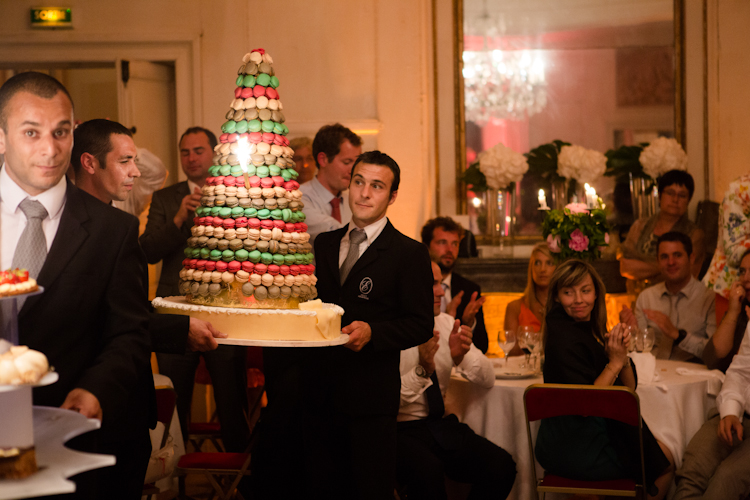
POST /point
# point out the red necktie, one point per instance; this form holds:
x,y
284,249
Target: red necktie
x,y
336,211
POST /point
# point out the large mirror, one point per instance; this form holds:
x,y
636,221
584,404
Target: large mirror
x,y
600,74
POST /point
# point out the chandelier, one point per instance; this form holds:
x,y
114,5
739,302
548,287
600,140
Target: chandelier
x,y
501,84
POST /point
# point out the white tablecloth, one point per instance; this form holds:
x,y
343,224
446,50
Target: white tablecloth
x,y
674,407
175,432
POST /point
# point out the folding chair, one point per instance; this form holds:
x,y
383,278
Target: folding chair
x,y
166,398
616,403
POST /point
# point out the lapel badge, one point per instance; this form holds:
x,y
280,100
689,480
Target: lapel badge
x,y
365,287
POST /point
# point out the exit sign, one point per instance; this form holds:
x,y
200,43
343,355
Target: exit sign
x,y
51,17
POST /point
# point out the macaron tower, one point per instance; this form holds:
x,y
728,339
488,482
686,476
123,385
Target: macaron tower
x,y
249,245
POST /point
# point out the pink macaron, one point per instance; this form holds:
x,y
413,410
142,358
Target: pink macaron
x,y
228,223
224,138
294,269
253,223
210,265
245,93
193,263
257,91
266,224
201,264
221,266
237,92
254,137
254,181
231,180
278,180
291,185
266,182
279,223
273,269
260,268
284,270
233,266
248,266
240,222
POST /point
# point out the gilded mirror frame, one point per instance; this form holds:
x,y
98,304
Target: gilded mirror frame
x,y
458,85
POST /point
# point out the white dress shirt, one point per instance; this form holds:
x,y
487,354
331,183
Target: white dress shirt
x,y
475,368
448,296
734,398
691,309
13,220
317,200
372,231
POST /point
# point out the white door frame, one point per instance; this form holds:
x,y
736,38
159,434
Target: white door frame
x,y
185,53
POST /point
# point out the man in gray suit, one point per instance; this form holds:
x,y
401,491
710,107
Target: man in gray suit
x,y
169,221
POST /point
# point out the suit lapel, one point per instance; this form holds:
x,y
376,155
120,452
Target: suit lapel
x,y
331,254
179,193
69,237
382,242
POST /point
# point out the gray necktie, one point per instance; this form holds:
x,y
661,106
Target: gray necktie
x,y
356,237
32,247
444,299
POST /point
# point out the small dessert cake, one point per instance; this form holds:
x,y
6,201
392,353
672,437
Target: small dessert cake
x,y
15,282
20,366
313,321
249,246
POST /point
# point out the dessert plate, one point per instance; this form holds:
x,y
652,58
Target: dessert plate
x,y
49,378
343,339
27,294
513,374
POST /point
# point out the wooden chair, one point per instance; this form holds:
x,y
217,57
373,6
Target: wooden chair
x,y
166,398
616,403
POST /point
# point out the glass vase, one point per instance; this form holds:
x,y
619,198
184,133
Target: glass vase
x,y
501,216
644,197
559,194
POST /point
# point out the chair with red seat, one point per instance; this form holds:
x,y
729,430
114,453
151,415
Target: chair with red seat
x,y
616,403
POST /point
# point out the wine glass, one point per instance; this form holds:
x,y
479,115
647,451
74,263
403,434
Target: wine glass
x,y
533,342
649,337
523,332
506,340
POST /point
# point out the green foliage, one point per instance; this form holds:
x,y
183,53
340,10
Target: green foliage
x,y
475,178
543,160
625,160
562,223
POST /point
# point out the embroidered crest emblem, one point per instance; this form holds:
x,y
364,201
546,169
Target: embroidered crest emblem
x,y
365,287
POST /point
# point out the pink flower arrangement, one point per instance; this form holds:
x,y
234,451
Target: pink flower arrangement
x,y
577,208
554,243
579,242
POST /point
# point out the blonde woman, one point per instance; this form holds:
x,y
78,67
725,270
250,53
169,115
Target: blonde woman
x,y
529,309
579,350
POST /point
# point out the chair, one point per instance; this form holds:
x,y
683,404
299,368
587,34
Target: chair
x,y
616,403
166,398
222,463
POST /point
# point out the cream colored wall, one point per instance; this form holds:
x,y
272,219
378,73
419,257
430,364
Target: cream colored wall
x,y
365,63
729,102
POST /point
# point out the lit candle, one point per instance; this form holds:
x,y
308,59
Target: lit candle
x,y
243,155
542,200
592,200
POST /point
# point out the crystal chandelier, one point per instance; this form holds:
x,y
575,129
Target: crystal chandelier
x,y
501,83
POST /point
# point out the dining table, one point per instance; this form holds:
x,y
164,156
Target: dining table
x,y
675,401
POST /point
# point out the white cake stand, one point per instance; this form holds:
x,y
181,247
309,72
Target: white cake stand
x,y
341,340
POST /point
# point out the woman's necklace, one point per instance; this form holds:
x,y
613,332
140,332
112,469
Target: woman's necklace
x,y
541,305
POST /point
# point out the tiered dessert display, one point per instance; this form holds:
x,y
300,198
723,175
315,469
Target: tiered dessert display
x,y
21,369
16,282
248,264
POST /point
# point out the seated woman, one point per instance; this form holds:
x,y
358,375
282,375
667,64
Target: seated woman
x,y
578,350
638,260
725,343
529,309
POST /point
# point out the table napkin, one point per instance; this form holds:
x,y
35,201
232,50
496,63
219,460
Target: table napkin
x,y
715,378
645,366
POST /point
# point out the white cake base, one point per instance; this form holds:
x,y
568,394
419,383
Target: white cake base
x,y
17,429
262,324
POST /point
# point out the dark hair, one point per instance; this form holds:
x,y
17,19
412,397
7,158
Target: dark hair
x,y
94,137
329,138
445,223
39,84
570,273
383,160
679,177
676,236
197,130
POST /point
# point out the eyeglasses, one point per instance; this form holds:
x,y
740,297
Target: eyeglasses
x,y
676,194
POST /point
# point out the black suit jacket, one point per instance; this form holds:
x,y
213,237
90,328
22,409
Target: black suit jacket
x,y
91,319
162,240
389,287
461,284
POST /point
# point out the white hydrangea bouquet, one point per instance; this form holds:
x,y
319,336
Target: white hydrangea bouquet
x,y
502,166
583,165
661,156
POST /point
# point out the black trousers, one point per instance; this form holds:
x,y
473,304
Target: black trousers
x,y
226,365
430,450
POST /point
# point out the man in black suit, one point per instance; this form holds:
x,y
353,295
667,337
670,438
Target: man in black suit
x,y
91,319
169,221
104,162
463,298
383,281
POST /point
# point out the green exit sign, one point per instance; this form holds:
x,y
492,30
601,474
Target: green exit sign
x,y
51,17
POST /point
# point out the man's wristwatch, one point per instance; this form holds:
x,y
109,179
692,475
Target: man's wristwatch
x,y
421,372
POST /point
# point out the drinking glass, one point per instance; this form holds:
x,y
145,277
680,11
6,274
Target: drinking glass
x,y
522,334
534,343
506,340
638,339
649,337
